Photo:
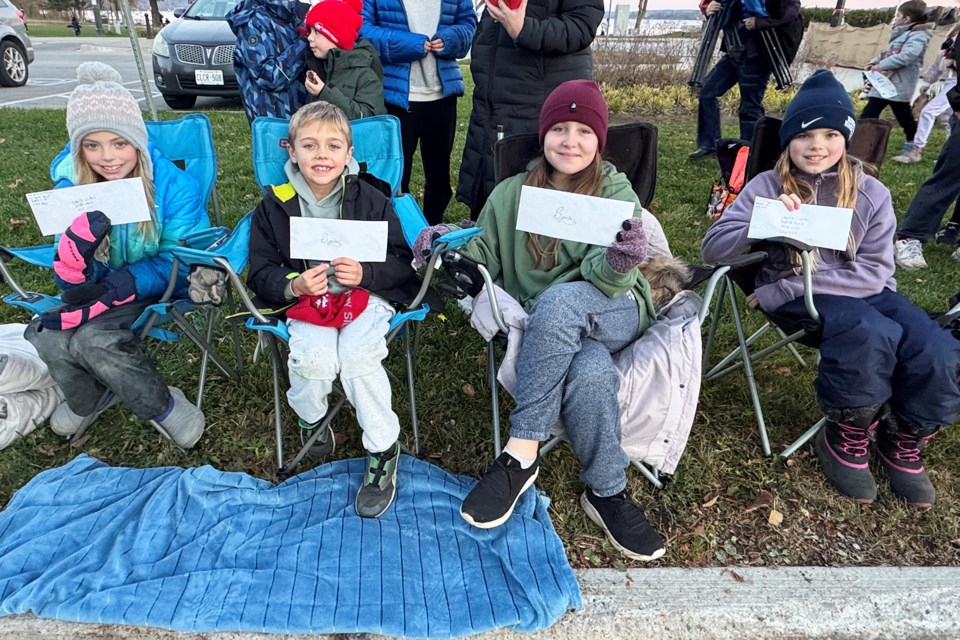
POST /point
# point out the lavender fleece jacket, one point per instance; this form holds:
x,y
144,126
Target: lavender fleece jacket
x,y
867,272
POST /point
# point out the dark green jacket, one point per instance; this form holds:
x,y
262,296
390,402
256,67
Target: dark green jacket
x,y
353,80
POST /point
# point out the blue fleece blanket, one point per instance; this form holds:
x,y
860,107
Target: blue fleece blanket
x,y
204,550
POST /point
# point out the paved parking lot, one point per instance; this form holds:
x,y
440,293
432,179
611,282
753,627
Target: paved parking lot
x,y
53,74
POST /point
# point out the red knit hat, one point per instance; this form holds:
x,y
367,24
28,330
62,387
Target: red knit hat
x,y
338,20
577,101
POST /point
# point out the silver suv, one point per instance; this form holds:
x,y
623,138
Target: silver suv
x,y
16,50
193,56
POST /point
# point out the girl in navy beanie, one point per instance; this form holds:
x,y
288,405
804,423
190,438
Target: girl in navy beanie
x,y
887,380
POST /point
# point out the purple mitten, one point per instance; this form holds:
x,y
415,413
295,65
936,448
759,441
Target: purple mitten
x,y
118,287
630,247
423,245
73,261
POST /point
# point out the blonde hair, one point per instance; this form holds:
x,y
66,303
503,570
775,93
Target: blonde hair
x,y
587,181
323,113
86,175
849,170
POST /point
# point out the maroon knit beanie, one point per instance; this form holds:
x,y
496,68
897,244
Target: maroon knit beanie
x,y
577,101
338,20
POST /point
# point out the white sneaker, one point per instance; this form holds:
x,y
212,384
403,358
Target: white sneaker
x,y
908,254
956,255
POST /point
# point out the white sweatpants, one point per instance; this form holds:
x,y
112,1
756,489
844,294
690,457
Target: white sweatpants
x,y
928,115
355,353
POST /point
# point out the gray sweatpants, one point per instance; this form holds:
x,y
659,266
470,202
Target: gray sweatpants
x,y
565,369
102,354
355,353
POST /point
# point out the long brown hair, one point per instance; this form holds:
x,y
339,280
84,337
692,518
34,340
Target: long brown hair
x,y
86,175
848,187
588,181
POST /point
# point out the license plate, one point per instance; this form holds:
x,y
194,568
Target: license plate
x,y
209,77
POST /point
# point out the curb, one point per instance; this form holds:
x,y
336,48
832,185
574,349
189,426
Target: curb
x,y
919,603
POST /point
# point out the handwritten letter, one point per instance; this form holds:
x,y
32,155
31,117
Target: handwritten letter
x,y
123,201
571,216
323,239
815,225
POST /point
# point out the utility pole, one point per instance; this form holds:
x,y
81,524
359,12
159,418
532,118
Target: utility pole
x,y
96,16
836,18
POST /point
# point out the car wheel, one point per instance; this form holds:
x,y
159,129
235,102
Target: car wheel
x,y
179,101
13,65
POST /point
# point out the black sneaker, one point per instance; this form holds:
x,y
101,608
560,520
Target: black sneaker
x,y
950,234
701,153
491,502
902,463
325,443
379,486
625,525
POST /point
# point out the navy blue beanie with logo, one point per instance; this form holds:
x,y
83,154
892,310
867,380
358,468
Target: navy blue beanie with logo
x,y
821,103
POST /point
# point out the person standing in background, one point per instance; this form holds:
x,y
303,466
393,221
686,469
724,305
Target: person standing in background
x,y
521,52
419,42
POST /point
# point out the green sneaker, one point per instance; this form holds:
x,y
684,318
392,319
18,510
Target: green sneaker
x,y
325,444
379,484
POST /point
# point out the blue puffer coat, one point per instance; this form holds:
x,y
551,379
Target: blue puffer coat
x,y
385,25
179,211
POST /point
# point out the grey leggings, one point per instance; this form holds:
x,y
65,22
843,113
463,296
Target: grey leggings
x,y
565,369
101,354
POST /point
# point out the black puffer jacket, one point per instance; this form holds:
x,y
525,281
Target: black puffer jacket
x,y
512,79
363,199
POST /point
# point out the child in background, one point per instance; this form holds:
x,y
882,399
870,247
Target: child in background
x,y
338,314
341,70
901,62
586,303
888,374
109,274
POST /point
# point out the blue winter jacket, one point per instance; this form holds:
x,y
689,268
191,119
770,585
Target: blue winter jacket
x,y
385,24
179,211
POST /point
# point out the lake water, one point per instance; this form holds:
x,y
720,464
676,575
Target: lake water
x,y
659,27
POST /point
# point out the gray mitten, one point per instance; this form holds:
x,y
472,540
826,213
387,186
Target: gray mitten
x,y
630,247
207,285
423,245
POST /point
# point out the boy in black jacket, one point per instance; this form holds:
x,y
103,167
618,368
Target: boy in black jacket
x,y
338,313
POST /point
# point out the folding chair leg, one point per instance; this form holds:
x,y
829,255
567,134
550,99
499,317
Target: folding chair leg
x,y
652,475
102,402
494,396
724,367
804,439
551,443
408,348
748,370
287,471
792,349
235,333
277,420
204,345
714,321
204,361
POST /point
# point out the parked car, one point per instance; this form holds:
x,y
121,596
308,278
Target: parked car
x,y
16,50
193,56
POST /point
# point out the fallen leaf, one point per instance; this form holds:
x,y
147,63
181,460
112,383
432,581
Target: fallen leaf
x,y
15,183
468,389
16,222
736,576
776,518
712,501
790,462
2,140
763,499
782,371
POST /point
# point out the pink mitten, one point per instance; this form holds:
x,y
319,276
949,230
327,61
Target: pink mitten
x,y
73,261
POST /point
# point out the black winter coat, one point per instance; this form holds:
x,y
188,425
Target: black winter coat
x,y
270,262
512,79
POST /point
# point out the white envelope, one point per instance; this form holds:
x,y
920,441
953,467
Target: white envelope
x,y
325,239
123,201
882,84
571,216
815,225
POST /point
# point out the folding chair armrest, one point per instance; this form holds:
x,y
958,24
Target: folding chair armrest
x,y
38,255
790,242
269,325
455,239
492,297
746,260
205,238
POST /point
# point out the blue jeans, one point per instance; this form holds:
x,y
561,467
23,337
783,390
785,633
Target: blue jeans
x,y
565,370
753,75
936,194
103,353
883,349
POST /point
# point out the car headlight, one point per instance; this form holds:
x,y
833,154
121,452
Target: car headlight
x,y
160,46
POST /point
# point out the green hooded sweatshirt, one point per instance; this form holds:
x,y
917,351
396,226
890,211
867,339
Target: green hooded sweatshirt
x,y
353,80
503,250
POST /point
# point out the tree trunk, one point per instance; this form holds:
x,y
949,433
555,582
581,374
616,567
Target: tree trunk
x,y
641,11
155,16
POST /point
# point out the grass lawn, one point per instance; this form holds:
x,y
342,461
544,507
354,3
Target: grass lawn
x,y
61,28
714,511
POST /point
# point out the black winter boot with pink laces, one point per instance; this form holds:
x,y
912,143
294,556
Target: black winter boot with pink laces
x,y
901,461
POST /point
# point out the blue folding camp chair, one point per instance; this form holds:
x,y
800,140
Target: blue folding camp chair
x,y
188,143
377,148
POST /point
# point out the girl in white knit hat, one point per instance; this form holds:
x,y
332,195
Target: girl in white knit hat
x,y
110,273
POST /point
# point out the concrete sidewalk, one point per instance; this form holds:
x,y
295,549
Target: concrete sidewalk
x,y
680,604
